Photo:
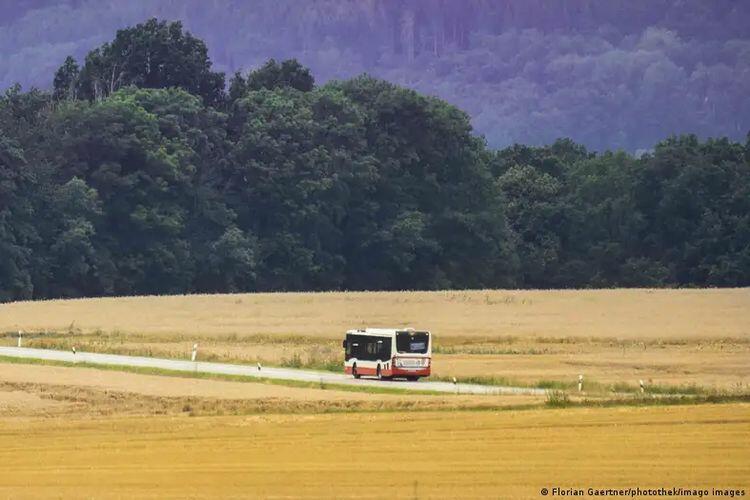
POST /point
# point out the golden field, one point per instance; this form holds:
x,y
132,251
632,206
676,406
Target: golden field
x,y
664,337
32,391
78,432
384,455
617,314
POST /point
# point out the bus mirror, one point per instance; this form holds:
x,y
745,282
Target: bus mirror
x,y
343,344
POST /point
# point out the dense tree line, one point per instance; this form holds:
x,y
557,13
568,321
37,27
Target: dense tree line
x,y
163,182
609,74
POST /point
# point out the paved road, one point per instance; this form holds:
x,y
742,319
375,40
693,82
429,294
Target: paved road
x,y
252,371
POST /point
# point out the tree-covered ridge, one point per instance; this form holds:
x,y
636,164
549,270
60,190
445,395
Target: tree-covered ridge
x,y
157,187
608,74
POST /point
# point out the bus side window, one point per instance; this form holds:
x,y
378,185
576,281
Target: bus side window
x,y
384,349
353,343
372,349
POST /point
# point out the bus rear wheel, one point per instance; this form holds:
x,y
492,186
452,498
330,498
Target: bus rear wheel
x,y
354,371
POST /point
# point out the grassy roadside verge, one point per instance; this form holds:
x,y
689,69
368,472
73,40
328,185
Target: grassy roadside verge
x,y
102,343
216,376
555,399
559,399
595,388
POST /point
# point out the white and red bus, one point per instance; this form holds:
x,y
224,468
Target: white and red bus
x,y
388,352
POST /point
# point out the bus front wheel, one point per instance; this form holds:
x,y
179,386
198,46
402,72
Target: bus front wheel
x,y
412,378
354,371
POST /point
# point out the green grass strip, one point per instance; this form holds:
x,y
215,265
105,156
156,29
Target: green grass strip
x,y
555,399
218,376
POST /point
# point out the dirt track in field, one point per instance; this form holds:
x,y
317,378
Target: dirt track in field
x,y
393,455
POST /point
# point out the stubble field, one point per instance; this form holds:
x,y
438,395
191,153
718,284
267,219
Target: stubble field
x,y
83,432
378,455
672,338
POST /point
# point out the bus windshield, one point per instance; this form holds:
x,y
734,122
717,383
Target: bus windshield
x,y
412,342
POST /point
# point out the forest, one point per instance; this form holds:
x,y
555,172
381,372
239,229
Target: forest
x,y
146,171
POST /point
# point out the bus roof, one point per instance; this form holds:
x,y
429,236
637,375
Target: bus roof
x,y
381,332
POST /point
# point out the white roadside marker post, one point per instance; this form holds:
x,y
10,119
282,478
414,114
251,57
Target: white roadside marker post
x,y
580,383
643,387
258,365
455,384
20,332
194,356
74,354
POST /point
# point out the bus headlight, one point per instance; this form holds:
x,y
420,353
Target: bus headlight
x,y
426,363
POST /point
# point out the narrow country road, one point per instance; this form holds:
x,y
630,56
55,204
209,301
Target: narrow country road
x,y
252,371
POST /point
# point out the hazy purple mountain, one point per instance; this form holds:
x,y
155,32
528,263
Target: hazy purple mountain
x,y
607,73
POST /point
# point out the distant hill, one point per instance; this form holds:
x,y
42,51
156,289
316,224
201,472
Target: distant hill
x,y
615,74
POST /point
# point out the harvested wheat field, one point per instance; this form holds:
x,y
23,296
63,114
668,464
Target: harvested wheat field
x,y
54,391
667,338
83,432
386,455
623,313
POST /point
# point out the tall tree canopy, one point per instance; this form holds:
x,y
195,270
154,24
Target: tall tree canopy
x,y
158,187
155,54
